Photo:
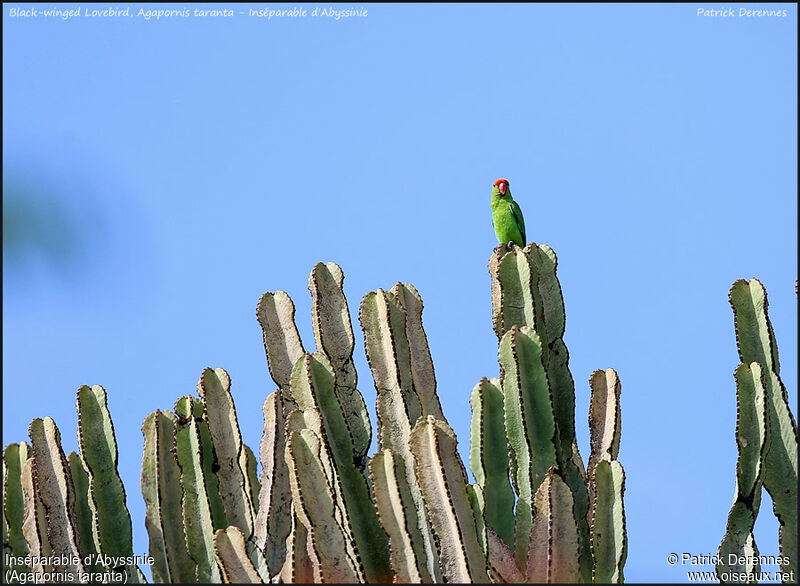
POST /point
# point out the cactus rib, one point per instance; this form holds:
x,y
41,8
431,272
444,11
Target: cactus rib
x,y
313,386
388,483
443,481
161,489
314,503
198,492
53,485
275,313
755,340
488,445
220,414
273,521
333,332
609,539
553,550
230,550
751,440
111,521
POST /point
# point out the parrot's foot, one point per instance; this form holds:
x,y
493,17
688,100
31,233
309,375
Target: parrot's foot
x,y
510,245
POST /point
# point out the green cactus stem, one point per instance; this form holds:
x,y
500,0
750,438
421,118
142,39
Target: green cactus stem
x,y
609,538
297,569
275,313
530,424
111,521
313,387
553,549
198,498
526,293
502,562
751,440
251,471
161,489
755,340
422,372
392,500
34,525
220,414
314,503
274,519
488,449
14,458
388,333
53,486
443,481
83,511
477,502
333,332
604,416
230,549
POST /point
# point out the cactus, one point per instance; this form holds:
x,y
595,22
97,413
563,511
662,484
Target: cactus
x,y
492,472
111,521
531,410
161,488
313,387
83,511
405,392
34,524
751,437
333,333
606,479
609,539
322,510
53,487
326,381
202,510
231,551
391,493
443,482
15,457
273,522
315,504
297,567
552,556
220,414
767,455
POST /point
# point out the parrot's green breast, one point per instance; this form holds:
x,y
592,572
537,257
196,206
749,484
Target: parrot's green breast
x,y
507,219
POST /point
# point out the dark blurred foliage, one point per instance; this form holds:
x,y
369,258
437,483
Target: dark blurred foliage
x,y
41,225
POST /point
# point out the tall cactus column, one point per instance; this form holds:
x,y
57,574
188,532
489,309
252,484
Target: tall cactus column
x,y
768,450
323,387
551,533
111,521
606,479
526,293
397,377
276,521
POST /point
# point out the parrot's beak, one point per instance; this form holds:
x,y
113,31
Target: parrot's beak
x,y
502,188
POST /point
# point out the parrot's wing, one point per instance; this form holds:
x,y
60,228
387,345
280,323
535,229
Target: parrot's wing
x,y
518,219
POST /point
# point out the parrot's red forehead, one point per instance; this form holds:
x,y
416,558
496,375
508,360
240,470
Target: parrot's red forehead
x,y
499,181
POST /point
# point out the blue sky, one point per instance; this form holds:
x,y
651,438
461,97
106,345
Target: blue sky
x,y
186,165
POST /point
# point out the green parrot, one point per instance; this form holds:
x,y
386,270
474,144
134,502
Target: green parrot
x,y
507,219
